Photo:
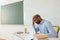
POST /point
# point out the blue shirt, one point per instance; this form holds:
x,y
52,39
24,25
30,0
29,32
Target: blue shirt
x,y
45,27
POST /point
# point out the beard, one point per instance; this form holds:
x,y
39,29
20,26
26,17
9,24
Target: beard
x,y
38,22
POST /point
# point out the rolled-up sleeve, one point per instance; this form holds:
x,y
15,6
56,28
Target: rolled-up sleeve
x,y
36,29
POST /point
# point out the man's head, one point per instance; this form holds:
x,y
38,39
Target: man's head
x,y
37,19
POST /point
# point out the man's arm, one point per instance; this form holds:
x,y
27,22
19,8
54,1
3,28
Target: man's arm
x,y
36,28
51,31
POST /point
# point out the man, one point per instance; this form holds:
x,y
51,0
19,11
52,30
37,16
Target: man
x,y
42,26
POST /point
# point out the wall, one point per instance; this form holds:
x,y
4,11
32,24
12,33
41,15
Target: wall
x,y
5,2
48,9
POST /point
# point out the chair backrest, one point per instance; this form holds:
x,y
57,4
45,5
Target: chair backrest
x,y
56,28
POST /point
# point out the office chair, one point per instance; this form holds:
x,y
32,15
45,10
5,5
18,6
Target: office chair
x,y
56,28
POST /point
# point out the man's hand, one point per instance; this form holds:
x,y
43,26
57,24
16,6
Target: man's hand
x,y
41,36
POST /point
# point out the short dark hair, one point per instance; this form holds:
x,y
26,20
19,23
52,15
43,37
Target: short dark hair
x,y
35,17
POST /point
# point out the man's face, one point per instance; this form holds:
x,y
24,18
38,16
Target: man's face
x,y
38,20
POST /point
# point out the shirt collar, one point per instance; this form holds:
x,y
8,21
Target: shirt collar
x,y
42,21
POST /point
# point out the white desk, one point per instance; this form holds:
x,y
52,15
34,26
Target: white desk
x,y
24,36
53,38
29,37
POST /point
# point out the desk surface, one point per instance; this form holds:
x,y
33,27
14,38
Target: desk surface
x,y
29,37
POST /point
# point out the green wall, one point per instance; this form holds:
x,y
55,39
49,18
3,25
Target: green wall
x,y
12,13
